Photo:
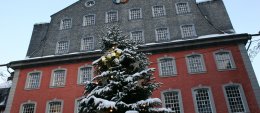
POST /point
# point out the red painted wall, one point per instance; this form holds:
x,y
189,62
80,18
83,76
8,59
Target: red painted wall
x,y
183,81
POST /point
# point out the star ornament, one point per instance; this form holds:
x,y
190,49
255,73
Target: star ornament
x,y
120,1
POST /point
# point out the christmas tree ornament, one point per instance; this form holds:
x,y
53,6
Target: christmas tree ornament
x,y
109,56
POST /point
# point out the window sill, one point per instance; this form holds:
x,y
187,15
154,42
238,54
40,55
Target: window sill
x,y
57,86
166,76
188,13
65,29
30,89
194,73
231,69
88,25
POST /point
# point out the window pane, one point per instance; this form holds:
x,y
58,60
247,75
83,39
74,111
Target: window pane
x,y
203,101
66,23
188,31
182,8
89,20
59,78
171,100
28,108
224,61
196,64
111,16
234,99
54,107
167,67
158,11
137,37
85,74
62,47
87,43
162,34
135,14
33,80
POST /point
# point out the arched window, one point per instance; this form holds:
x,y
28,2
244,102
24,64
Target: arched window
x,y
224,60
195,63
167,67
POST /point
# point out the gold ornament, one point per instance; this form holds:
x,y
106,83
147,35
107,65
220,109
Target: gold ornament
x,y
113,54
118,52
109,56
103,59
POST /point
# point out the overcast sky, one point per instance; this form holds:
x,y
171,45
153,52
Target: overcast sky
x,y
19,16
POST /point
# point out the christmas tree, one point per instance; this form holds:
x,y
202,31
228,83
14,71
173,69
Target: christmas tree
x,y
124,83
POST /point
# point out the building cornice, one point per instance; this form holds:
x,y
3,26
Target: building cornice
x,y
151,48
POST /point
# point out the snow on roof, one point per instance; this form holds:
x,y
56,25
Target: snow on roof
x,y
28,58
180,40
201,1
213,35
6,84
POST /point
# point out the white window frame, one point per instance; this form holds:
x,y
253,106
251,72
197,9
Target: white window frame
x,y
28,102
233,65
164,11
168,36
57,47
202,62
193,30
54,100
62,23
130,14
116,16
52,78
84,23
211,98
242,94
143,39
76,104
28,81
179,98
175,72
82,46
188,8
79,81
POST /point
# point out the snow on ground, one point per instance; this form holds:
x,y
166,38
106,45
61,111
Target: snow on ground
x,y
201,1
6,84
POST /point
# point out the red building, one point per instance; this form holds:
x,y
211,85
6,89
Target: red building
x,y
209,74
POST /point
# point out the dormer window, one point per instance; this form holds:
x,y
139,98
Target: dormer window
x,y
66,24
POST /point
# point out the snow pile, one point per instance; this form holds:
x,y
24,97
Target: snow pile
x,y
131,111
201,1
102,103
149,101
6,84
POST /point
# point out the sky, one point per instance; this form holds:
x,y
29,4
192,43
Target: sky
x,y
19,16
